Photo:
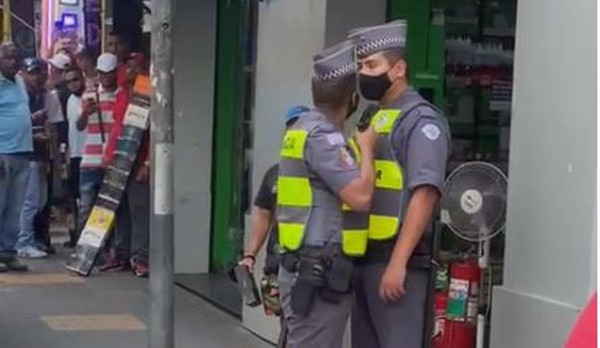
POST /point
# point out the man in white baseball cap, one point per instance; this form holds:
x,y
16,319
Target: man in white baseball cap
x,y
60,61
107,62
97,120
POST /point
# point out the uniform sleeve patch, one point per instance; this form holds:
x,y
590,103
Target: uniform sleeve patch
x,y
431,131
335,139
346,160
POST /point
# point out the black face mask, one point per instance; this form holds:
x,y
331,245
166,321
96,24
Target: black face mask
x,y
354,100
374,87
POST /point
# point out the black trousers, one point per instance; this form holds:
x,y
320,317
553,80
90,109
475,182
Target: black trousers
x,y
41,222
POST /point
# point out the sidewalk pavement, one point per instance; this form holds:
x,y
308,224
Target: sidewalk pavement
x,y
50,308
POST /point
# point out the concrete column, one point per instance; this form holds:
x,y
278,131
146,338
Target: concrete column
x,y
194,41
550,260
290,32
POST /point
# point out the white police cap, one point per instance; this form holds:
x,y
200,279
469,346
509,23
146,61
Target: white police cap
x,y
335,62
370,40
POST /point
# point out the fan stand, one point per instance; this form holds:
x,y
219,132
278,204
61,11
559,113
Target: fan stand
x,y
484,245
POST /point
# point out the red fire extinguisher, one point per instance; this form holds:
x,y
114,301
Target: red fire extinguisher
x,y
440,301
462,305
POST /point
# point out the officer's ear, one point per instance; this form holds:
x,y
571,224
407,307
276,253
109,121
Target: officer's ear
x,y
398,70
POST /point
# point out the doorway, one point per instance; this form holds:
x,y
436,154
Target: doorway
x,y
232,152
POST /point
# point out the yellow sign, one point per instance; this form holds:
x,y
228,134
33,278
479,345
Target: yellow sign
x,y
100,219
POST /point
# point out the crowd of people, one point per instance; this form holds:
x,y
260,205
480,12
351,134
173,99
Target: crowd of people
x,y
60,122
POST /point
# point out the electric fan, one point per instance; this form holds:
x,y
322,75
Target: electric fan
x,y
473,206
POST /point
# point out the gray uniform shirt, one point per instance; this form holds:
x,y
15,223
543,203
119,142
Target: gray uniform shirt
x,y
421,141
331,168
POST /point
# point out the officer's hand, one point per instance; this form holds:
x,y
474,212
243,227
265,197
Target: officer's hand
x,y
366,140
248,262
391,287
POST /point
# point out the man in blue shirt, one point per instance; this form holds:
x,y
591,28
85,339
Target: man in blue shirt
x,y
16,144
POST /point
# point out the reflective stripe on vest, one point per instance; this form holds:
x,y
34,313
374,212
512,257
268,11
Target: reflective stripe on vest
x,y
355,224
295,199
384,218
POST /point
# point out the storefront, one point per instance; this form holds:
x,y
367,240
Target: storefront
x,y
229,103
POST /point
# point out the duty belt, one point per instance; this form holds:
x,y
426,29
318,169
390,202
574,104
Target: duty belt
x,y
381,252
290,260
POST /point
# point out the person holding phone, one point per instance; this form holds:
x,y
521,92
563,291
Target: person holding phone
x,y
97,120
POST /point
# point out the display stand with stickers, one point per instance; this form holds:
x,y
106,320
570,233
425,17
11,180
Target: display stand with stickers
x,y
102,217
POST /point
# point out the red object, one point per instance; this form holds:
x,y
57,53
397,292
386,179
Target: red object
x,y
121,74
122,101
460,322
440,301
584,333
463,291
458,335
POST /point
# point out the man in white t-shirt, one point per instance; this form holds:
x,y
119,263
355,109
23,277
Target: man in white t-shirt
x,y
75,84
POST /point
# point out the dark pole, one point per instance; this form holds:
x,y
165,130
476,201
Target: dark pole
x,y
161,233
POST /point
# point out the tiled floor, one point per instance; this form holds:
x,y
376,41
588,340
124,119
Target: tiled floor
x,y
51,309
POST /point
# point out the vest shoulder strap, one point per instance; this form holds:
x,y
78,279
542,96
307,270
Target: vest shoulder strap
x,y
411,106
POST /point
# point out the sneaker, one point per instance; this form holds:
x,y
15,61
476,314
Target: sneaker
x,y
70,244
113,265
16,266
48,249
31,253
140,269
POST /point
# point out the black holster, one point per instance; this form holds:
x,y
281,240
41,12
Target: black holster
x,y
324,271
310,279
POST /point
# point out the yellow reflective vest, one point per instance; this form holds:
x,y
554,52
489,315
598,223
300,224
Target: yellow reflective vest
x,y
295,198
385,214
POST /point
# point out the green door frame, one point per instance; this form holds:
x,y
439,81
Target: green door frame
x,y
425,40
226,142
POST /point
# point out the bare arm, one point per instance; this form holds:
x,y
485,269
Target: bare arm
x,y
259,230
53,140
88,109
418,216
82,121
358,193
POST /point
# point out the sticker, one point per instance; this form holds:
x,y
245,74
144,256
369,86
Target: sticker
x,y
431,131
445,216
91,238
471,201
163,180
346,160
137,116
335,139
100,219
98,224
381,123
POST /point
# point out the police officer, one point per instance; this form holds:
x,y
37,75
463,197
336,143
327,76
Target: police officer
x,y
264,226
410,160
320,191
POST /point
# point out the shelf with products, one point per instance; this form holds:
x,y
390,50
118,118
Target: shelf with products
x,y
478,77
